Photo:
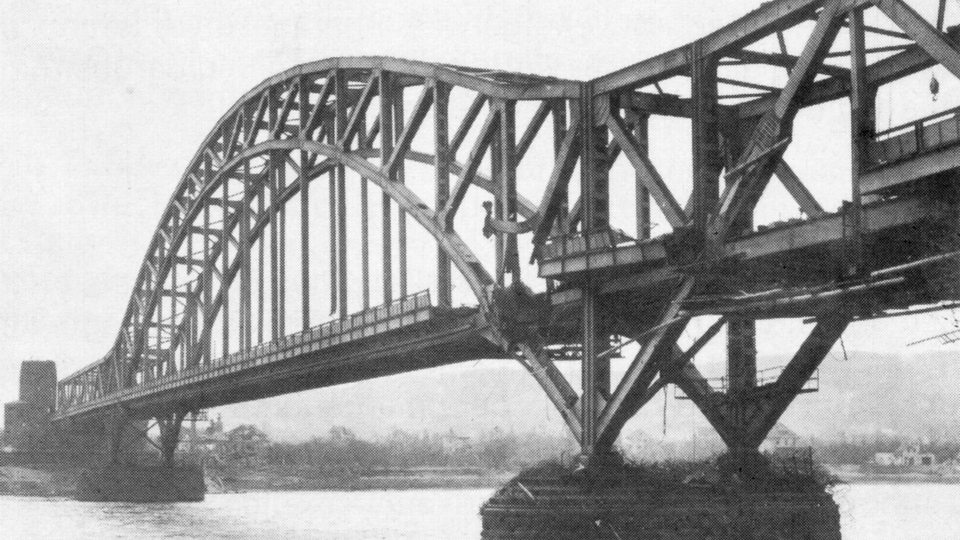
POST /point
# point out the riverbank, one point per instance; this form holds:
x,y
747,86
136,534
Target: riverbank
x,y
854,474
393,479
47,480
36,481
53,480
897,479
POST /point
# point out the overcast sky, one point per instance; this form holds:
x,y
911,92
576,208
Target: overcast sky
x,y
102,105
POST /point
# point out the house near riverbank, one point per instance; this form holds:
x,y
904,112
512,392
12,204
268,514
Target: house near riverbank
x,y
782,440
906,456
209,444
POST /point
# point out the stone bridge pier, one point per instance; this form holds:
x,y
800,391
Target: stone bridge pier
x,y
114,453
139,467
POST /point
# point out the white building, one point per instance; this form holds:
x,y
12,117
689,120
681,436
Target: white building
x,y
887,459
781,440
909,456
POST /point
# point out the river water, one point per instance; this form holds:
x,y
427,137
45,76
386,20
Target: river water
x,y
878,511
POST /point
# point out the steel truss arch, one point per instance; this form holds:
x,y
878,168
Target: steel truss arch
x,y
461,255
244,123
601,282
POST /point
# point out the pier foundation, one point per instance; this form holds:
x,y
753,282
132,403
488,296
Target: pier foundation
x,y
141,483
132,472
564,506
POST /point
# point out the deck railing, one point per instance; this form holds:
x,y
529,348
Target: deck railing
x,y
917,137
765,377
557,247
400,313
365,323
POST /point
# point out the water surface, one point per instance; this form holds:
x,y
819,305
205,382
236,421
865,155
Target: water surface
x,y
869,512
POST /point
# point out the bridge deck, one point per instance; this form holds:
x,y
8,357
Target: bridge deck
x,y
636,275
924,149
920,149
406,336
568,257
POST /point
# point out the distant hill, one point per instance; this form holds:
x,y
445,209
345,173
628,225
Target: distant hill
x,y
469,398
914,395
909,394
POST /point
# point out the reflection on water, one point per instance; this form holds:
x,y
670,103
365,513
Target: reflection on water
x,y
883,511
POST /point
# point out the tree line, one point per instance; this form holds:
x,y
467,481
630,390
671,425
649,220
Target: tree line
x,y
342,452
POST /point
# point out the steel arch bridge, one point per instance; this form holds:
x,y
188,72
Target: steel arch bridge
x,y
211,320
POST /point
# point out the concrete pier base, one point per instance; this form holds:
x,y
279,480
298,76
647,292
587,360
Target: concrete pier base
x,y
142,483
572,509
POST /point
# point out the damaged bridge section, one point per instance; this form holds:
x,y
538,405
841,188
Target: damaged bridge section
x,y
283,259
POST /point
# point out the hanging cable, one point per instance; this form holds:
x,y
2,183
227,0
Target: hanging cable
x,y
889,108
665,411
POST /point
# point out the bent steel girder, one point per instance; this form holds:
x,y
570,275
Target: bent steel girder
x,y
753,135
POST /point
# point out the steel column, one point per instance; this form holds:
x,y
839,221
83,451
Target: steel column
x,y
261,260
861,131
281,245
503,162
208,263
441,100
244,253
559,111
304,208
707,160
595,372
398,129
640,122
224,252
386,149
365,142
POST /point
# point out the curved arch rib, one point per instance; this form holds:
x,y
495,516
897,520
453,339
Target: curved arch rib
x,y
267,108
476,276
